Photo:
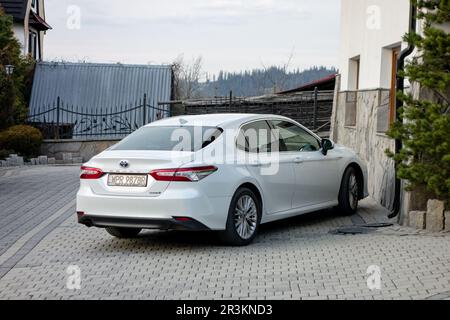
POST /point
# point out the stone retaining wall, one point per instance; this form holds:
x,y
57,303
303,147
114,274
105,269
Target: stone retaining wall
x,y
358,122
83,149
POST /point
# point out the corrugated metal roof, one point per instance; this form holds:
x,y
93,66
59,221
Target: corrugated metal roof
x,y
93,86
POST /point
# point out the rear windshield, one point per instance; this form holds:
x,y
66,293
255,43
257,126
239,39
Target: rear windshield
x,y
190,139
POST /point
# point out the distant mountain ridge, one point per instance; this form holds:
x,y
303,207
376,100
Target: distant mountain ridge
x,y
260,81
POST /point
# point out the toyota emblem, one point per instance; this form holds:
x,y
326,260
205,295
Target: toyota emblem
x,y
124,164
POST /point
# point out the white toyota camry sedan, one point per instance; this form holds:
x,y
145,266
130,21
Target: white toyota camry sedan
x,y
226,173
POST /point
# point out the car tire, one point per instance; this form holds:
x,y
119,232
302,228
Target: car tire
x,y
236,233
349,193
123,233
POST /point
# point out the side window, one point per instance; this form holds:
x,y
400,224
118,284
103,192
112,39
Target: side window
x,y
294,138
255,137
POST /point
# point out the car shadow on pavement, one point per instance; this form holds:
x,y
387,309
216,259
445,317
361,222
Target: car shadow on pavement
x,y
208,238
302,221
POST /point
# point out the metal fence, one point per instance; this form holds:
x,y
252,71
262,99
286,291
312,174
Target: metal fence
x,y
313,109
62,120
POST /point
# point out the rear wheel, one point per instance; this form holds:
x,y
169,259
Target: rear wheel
x,y
244,217
123,233
349,193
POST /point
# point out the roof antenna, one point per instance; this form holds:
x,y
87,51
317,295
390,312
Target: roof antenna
x,y
182,121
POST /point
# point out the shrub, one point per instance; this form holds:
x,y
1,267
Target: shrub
x,y
24,140
5,153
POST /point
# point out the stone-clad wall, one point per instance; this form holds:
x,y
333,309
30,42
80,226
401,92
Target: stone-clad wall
x,y
78,148
366,141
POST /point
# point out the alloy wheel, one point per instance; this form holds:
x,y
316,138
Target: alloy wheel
x,y
246,217
353,192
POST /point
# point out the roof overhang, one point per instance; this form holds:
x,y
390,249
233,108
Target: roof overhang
x,y
326,83
38,23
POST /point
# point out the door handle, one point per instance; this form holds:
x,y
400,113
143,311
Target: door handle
x,y
298,160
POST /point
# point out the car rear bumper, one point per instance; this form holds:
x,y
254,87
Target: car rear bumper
x,y
154,212
140,223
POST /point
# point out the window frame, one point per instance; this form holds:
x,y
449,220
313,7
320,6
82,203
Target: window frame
x,y
247,147
33,43
354,73
269,123
35,6
395,53
307,131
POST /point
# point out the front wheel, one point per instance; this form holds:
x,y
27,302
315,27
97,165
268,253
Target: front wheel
x,y
123,233
349,193
244,217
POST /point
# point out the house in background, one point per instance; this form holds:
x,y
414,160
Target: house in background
x,y
365,102
325,84
30,26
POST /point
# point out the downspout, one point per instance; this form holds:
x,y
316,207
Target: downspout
x,y
399,103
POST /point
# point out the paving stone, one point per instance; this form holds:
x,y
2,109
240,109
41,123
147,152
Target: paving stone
x,y
67,158
417,219
11,162
447,220
43,160
77,160
292,259
435,216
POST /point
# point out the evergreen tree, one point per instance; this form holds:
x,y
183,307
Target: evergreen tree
x,y
261,81
13,88
424,122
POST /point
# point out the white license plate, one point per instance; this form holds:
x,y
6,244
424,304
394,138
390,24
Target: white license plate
x,y
127,180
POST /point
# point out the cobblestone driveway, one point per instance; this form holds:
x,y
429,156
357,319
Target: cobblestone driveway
x,y
294,259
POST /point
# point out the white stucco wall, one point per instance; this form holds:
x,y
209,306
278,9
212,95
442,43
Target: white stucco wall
x,y
21,30
19,33
368,26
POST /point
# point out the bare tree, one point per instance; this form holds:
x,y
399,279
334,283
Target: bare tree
x,y
278,81
187,77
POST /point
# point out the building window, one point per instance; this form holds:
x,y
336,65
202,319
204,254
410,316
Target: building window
x,y
393,89
33,44
386,112
354,73
35,5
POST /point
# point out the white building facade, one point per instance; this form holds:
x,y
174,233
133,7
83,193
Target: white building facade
x,y
30,26
371,41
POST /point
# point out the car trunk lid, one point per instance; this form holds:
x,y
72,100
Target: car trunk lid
x,y
135,163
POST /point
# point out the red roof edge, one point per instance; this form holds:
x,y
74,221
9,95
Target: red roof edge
x,y
312,85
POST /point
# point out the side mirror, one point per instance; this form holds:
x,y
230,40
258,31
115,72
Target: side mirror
x,y
327,145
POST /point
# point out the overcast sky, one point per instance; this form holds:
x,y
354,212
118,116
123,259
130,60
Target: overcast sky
x,y
229,34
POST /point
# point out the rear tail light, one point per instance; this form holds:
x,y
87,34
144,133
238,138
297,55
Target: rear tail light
x,y
91,173
183,174
182,219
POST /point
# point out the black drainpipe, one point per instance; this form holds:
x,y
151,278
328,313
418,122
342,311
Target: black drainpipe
x,y
399,103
